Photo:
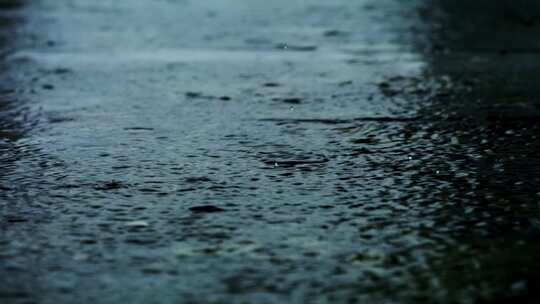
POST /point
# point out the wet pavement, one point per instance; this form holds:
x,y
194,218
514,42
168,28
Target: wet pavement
x,y
269,151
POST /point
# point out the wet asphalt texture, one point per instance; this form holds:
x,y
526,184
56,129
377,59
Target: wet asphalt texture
x,y
226,151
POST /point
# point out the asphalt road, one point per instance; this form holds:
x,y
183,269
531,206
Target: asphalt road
x,y
227,151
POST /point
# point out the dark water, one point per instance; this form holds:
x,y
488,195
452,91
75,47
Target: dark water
x,y
268,152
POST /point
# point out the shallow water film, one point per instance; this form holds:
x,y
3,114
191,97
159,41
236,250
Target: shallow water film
x,y
283,151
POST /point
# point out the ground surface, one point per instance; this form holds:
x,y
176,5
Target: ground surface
x,y
269,151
